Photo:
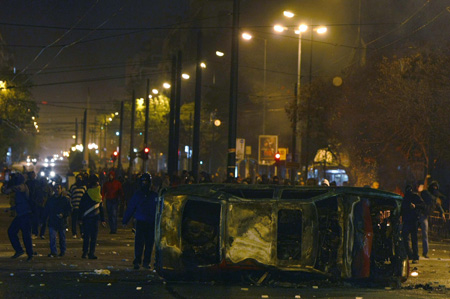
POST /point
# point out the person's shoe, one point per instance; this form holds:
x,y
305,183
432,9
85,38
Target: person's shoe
x,y
84,255
17,254
42,237
61,254
415,261
74,236
30,258
92,257
136,266
426,256
52,255
33,237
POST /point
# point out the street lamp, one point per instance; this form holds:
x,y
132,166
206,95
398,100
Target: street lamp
x,y
296,128
247,36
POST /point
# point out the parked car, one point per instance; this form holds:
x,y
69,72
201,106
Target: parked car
x,y
340,232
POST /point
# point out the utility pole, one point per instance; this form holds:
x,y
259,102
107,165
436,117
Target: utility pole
x,y
171,153
147,110
133,113
76,131
197,109
85,149
232,121
119,156
176,140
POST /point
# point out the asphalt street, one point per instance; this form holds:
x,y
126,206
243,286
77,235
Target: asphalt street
x,y
113,276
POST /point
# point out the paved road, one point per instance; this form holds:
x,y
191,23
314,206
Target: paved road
x,y
73,277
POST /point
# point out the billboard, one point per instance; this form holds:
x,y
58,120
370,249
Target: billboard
x,y
267,147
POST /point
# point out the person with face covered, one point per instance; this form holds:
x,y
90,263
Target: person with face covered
x,y
112,193
76,192
57,209
23,216
429,197
90,213
143,206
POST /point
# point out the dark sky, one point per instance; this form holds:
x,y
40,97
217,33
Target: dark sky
x,y
100,36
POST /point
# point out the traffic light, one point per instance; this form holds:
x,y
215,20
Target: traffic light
x,y
277,157
114,156
144,153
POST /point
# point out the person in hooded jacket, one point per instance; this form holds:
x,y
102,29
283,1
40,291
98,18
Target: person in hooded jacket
x,y
112,193
143,206
23,218
57,209
90,213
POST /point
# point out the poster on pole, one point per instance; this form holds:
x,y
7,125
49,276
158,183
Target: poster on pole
x,y
267,147
240,148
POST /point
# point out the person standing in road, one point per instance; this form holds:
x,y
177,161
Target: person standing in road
x,y
76,192
112,193
33,184
57,209
429,197
143,206
412,206
89,214
22,220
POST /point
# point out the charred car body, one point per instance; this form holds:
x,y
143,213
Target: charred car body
x,y
340,232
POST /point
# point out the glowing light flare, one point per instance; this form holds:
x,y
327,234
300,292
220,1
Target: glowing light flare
x,y
217,122
288,14
279,28
203,65
247,36
166,85
155,91
185,76
321,30
220,54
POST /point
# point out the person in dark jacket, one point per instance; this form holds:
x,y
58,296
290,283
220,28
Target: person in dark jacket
x,y
57,209
143,206
412,206
76,192
33,185
22,220
43,194
91,211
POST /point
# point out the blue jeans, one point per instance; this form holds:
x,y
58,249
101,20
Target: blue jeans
x,y
423,223
112,205
52,231
22,223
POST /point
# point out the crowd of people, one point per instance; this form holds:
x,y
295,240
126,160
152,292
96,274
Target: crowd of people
x,y
38,204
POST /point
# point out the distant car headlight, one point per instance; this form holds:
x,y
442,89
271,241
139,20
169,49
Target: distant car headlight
x,y
45,164
46,160
42,173
52,174
28,160
52,160
52,164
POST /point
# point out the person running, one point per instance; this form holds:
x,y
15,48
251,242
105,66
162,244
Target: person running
x,y
76,192
57,209
143,206
23,217
91,211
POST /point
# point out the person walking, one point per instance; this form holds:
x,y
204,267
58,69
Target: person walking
x,y
89,214
112,193
57,209
76,192
429,197
412,206
23,216
143,206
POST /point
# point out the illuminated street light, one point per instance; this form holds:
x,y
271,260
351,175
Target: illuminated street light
x,y
117,113
74,137
155,91
203,65
220,54
279,28
117,133
321,30
288,14
166,85
110,119
301,28
246,36
185,76
217,122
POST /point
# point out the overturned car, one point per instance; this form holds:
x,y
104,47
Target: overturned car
x,y
340,232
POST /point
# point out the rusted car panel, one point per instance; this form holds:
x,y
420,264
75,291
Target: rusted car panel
x,y
343,232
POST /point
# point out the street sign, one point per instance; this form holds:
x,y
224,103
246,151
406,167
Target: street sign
x,y
240,148
282,151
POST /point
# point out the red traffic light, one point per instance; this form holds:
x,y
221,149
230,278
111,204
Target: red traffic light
x,y
116,153
146,150
277,157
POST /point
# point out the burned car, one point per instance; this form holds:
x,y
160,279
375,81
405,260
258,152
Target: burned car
x,y
340,232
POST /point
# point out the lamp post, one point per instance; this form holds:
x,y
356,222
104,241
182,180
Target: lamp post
x,y
296,140
247,36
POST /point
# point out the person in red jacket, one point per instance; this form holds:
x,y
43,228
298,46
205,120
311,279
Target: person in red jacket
x,y
112,193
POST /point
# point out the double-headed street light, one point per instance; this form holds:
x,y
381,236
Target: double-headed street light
x,y
297,127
